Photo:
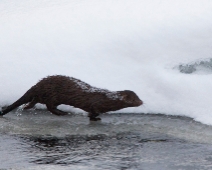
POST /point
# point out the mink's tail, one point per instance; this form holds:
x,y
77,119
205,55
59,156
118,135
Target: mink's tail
x,y
27,97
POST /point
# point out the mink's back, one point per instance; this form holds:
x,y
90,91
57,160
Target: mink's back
x,y
68,90
69,85
55,84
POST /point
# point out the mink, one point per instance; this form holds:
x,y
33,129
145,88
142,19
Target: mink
x,y
56,90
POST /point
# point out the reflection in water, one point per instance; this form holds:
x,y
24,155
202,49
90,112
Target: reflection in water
x,y
121,151
125,150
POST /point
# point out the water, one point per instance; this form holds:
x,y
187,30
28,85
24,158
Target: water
x,y
119,141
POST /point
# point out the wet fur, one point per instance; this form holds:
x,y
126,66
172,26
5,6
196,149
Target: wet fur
x,y
56,90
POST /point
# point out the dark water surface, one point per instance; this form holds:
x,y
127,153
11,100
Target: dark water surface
x,y
39,140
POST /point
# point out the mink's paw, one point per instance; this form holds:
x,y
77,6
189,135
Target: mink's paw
x,y
94,118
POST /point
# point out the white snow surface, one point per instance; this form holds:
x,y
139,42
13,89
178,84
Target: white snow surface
x,y
111,44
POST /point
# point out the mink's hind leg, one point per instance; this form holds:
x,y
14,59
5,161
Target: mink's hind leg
x,y
30,104
54,110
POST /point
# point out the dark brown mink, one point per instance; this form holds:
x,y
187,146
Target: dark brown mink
x,y
56,90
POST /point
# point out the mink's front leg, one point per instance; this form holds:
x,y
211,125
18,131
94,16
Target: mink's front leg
x,y
93,116
94,112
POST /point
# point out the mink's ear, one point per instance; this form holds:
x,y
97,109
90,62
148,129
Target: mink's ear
x,y
123,94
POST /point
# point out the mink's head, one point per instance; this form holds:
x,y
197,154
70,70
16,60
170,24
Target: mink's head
x,y
130,98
